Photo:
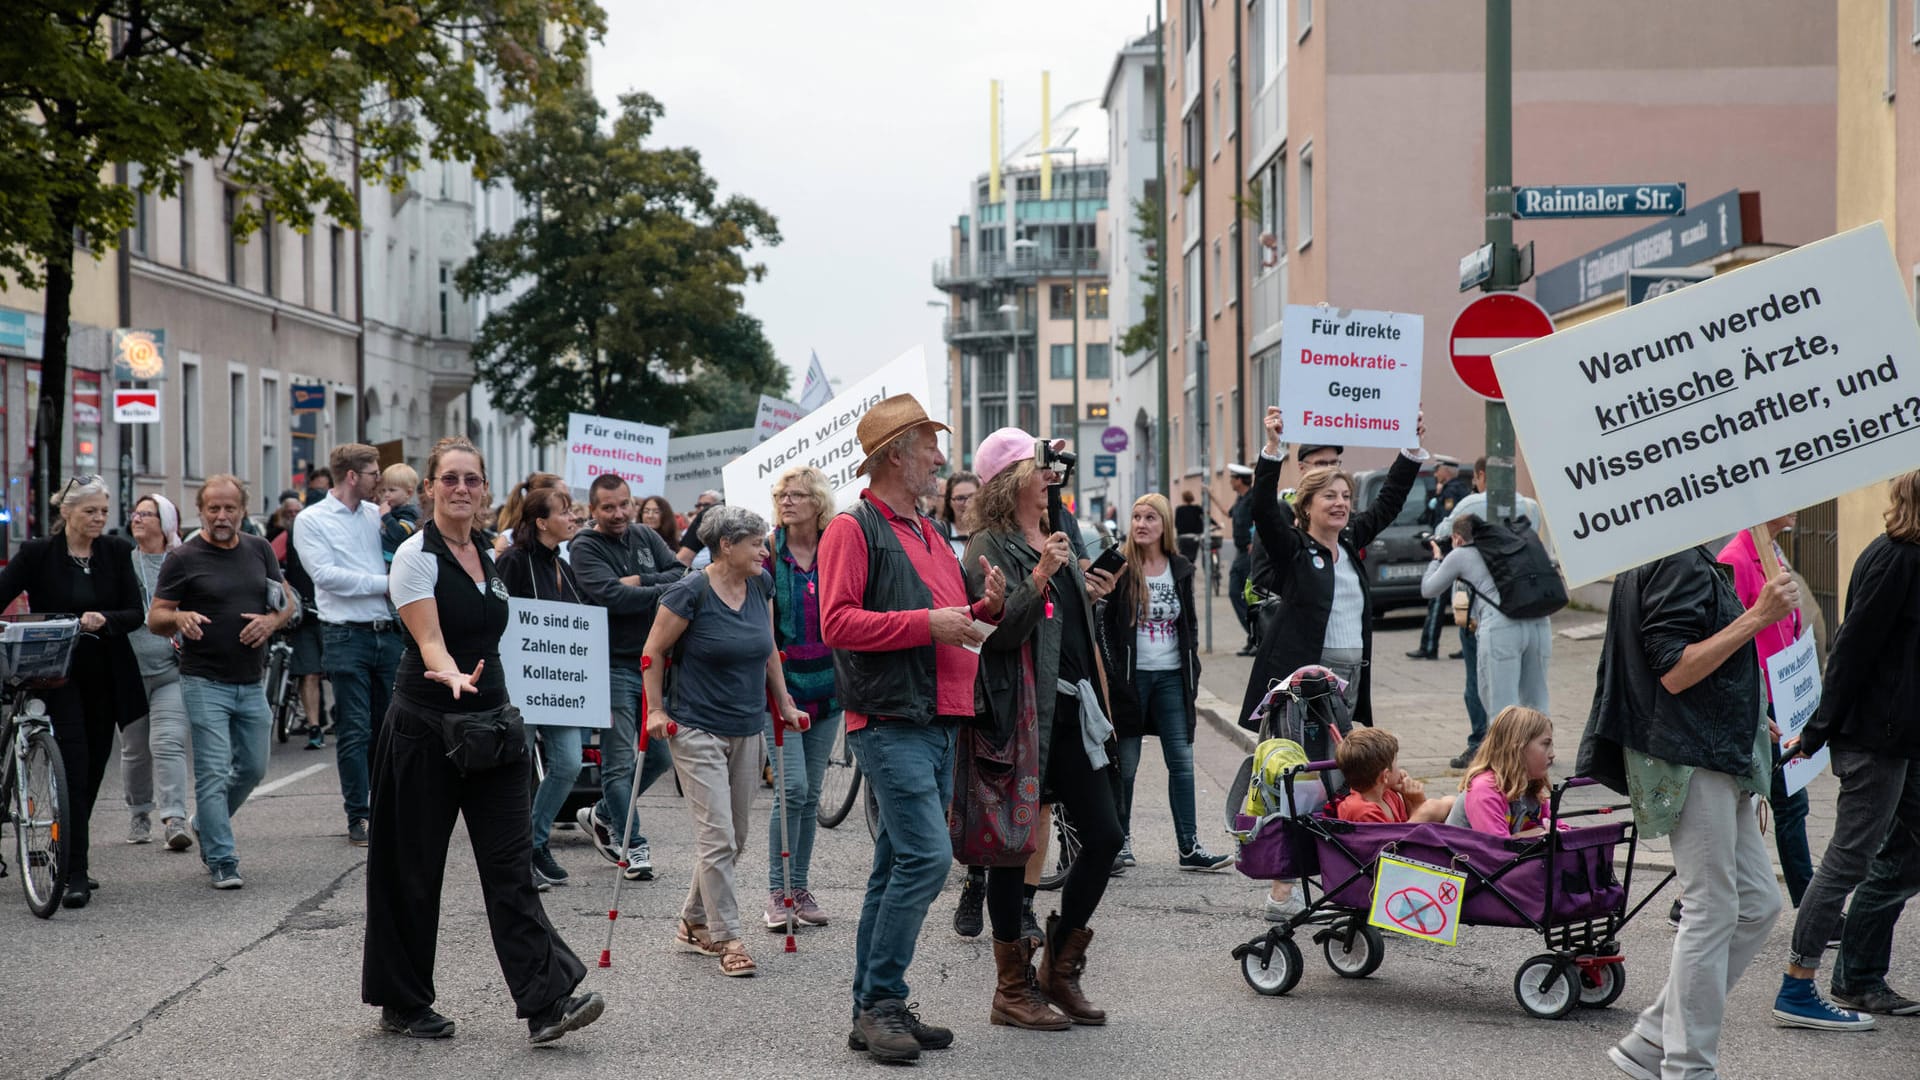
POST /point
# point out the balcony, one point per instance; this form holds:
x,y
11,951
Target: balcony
x,y
989,325
1269,305
1269,127
1022,263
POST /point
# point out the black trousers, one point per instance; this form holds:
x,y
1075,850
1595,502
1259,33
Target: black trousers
x,y
83,713
416,795
1237,593
1092,802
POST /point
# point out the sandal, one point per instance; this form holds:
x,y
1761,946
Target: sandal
x,y
734,961
694,938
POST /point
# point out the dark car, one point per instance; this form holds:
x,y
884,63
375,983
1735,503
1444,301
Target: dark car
x,y
1398,557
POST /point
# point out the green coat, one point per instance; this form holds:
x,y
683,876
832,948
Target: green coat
x,y
1025,613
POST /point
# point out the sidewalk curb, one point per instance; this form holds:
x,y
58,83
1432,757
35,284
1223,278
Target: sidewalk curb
x,y
1219,715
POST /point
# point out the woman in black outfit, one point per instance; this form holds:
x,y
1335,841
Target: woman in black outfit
x,y
77,571
1045,636
454,607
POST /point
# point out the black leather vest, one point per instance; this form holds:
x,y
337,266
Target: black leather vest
x,y
898,684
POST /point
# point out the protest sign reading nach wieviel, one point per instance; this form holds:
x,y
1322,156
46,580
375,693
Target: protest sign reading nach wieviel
x,y
1722,405
826,438
1350,377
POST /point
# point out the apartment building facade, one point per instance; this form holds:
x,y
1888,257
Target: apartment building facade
x,y
1131,102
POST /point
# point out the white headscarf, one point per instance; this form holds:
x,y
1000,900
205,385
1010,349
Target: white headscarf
x,y
169,519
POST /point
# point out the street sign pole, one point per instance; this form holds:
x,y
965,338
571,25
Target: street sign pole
x,y
1499,214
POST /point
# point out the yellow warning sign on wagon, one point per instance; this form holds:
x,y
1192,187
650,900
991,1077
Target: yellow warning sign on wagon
x,y
1417,899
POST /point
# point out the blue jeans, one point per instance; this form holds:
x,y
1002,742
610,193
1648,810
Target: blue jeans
x,y
1430,630
1163,708
1476,709
910,768
562,760
360,664
806,765
617,753
232,731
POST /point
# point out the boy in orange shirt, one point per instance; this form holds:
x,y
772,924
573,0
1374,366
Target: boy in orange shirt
x,y
1381,791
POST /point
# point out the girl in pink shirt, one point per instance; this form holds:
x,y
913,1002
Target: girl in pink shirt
x,y
1505,789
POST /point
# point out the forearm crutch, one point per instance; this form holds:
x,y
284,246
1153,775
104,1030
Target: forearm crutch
x,y
780,810
633,800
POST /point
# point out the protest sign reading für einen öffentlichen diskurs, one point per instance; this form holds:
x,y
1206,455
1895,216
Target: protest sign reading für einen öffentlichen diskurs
x,y
1722,405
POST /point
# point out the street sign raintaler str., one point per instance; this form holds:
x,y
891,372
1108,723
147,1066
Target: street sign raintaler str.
x,y
1599,201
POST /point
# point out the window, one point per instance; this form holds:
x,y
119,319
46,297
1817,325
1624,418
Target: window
x,y
190,416
137,243
1233,249
1029,373
1267,28
266,253
186,215
446,287
346,426
993,415
1194,288
1303,17
1196,421
993,375
1096,411
1306,196
270,406
1219,432
306,267
1028,416
1217,277
413,281
1192,140
1096,301
1062,426
1060,301
237,431
1216,118
1061,364
229,206
336,256
1099,360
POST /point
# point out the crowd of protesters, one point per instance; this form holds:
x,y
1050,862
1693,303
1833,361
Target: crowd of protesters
x,y
984,672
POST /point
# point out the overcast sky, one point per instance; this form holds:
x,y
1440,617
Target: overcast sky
x,y
859,124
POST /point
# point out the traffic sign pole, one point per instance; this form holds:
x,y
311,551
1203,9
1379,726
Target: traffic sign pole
x,y
1499,221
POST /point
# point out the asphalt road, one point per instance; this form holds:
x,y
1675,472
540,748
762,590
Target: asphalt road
x,y
163,977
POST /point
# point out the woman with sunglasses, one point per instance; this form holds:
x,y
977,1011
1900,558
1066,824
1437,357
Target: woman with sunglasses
x,y
77,571
450,681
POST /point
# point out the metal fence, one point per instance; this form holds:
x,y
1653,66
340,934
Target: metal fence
x,y
1813,547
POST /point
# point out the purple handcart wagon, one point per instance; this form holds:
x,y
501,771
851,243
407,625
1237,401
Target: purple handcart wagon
x,y
1561,885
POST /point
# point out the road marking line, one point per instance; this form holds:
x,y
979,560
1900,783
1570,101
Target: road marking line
x,y
270,788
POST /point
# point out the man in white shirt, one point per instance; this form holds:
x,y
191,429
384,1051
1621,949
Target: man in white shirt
x,y
338,539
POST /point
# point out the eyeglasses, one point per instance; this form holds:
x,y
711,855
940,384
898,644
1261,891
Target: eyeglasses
x,y
83,480
455,480
793,496
960,500
141,515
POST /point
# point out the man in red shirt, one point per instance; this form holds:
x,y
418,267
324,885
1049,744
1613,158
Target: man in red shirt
x,y
894,609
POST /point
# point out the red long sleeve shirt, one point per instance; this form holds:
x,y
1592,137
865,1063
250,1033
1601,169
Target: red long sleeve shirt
x,y
845,623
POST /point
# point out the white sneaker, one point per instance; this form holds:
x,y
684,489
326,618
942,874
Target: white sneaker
x,y
1282,910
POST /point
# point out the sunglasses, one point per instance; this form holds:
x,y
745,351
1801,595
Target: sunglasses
x,y
473,481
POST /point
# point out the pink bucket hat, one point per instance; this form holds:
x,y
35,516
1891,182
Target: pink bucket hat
x,y
1005,447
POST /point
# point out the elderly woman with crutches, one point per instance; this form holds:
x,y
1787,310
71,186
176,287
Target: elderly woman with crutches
x,y
716,627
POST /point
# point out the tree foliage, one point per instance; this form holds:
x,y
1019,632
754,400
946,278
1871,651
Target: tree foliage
x,y
1145,334
278,96
625,278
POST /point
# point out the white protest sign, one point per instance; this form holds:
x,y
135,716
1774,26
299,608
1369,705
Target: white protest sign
x,y
1418,900
555,662
1793,674
1351,376
826,438
637,453
1778,386
694,462
776,416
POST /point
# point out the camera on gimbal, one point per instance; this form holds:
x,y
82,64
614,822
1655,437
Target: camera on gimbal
x,y
1060,461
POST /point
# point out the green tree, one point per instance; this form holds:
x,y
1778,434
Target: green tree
x,y
270,91
727,385
1145,334
628,273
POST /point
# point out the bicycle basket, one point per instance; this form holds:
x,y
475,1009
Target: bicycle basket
x,y
37,646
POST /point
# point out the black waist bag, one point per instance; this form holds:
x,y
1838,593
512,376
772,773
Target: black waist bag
x,y
480,741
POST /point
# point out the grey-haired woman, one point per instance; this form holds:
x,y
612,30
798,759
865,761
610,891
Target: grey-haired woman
x,y
154,764
717,628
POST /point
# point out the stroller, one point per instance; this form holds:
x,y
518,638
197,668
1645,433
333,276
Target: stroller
x,y
1561,885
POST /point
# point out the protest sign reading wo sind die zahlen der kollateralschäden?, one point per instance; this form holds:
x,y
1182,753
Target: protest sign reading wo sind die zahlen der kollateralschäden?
x,y
827,438
1350,377
1719,406
554,659
636,453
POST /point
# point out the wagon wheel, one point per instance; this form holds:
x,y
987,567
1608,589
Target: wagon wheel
x,y
1546,987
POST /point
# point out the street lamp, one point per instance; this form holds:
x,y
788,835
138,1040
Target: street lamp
x,y
1073,255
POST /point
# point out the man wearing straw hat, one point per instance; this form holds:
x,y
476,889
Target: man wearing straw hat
x,y
894,609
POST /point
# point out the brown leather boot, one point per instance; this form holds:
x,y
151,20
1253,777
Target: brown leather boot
x,y
1066,958
1016,1001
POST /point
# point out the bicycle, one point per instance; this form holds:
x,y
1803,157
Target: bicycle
x,y
34,652
283,690
841,786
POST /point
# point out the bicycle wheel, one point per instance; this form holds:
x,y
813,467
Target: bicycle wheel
x,y
840,786
277,689
1066,848
39,813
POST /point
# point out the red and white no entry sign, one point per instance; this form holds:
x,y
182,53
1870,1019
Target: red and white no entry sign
x,y
1494,322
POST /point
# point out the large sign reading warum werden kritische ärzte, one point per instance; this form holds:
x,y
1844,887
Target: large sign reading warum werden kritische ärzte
x,y
1720,406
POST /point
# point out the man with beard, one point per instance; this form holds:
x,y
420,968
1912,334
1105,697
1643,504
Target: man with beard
x,y
222,593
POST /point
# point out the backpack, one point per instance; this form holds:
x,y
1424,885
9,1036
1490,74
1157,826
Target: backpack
x,y
1530,586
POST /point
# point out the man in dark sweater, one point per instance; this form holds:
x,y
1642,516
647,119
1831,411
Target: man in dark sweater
x,y
623,569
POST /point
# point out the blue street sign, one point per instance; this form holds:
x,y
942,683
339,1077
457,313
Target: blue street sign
x,y
1106,465
1599,201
